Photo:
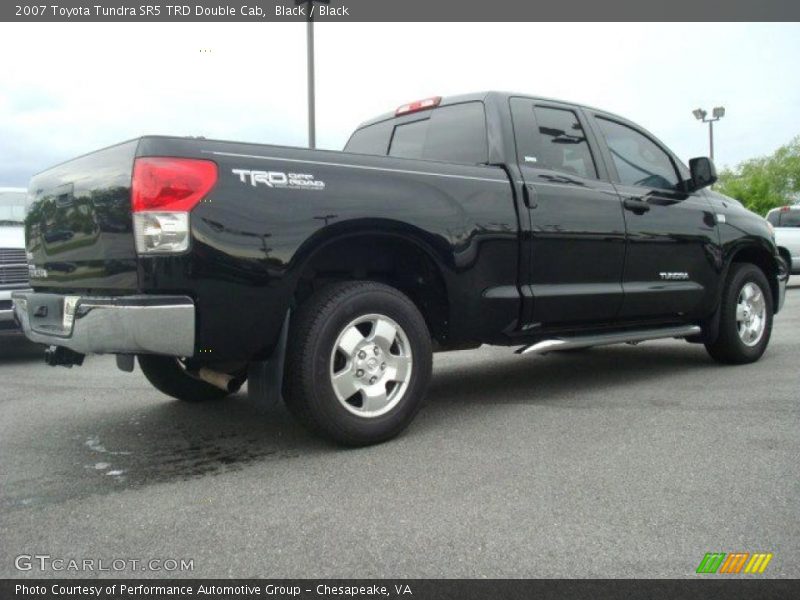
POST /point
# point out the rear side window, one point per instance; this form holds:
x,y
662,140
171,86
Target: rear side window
x,y
455,133
551,138
562,142
638,159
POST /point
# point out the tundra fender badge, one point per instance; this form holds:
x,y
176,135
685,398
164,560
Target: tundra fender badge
x,y
674,275
279,179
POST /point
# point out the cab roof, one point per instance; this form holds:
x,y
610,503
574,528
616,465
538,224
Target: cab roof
x,y
479,97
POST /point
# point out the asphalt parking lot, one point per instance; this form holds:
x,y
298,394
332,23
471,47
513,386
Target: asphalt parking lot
x,y
616,462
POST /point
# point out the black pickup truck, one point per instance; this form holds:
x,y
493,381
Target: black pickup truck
x,y
329,278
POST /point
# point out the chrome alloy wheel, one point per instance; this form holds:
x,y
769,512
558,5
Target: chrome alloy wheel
x,y
371,365
751,314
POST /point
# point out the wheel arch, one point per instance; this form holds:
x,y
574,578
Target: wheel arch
x,y
383,251
762,257
749,252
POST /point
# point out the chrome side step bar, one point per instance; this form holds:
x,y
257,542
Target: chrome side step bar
x,y
605,339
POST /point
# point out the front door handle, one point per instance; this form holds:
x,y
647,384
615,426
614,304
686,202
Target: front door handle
x,y
636,205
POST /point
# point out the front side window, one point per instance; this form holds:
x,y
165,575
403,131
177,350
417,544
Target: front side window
x,y
639,160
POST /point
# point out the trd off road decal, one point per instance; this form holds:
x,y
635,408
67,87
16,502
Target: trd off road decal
x,y
279,179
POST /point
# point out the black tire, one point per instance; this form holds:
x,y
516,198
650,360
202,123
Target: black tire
x,y
170,378
729,347
310,358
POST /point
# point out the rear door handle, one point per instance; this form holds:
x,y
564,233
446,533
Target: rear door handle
x,y
527,195
636,205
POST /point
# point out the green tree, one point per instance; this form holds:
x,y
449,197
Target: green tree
x,y
767,182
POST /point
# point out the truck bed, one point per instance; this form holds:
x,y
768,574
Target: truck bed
x,y
271,207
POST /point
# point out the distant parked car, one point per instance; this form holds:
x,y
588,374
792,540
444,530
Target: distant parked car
x,y
786,221
13,263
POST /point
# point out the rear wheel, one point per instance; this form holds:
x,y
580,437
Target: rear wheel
x,y
745,317
168,376
358,362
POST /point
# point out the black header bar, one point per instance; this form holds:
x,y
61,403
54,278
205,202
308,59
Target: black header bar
x,y
398,10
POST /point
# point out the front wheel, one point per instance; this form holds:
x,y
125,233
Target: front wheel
x,y
745,317
358,362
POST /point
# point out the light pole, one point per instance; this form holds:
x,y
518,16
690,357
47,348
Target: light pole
x,y
312,124
716,114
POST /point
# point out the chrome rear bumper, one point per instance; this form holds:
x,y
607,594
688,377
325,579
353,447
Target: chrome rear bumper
x,y
141,324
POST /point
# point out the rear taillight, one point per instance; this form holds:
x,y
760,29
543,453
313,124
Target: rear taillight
x,y
163,192
419,105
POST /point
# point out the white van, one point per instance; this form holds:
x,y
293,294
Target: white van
x,y
13,263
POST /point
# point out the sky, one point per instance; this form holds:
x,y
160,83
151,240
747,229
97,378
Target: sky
x,y
70,88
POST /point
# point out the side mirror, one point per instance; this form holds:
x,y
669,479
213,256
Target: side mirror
x,y
704,173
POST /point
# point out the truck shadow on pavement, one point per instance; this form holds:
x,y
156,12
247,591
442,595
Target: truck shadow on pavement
x,y
17,349
162,441
546,379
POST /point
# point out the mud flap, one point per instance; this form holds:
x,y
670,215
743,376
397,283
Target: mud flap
x,y
265,378
710,327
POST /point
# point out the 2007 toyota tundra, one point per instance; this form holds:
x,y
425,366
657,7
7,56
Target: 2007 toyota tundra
x,y
330,277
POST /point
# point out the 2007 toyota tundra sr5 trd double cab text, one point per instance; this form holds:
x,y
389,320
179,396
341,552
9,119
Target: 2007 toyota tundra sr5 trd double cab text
x,y
330,277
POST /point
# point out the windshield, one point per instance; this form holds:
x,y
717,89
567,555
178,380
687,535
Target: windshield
x,y
12,208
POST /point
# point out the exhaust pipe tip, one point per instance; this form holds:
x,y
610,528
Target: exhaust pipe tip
x,y
223,381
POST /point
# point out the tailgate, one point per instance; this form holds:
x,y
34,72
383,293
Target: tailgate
x,y
79,228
